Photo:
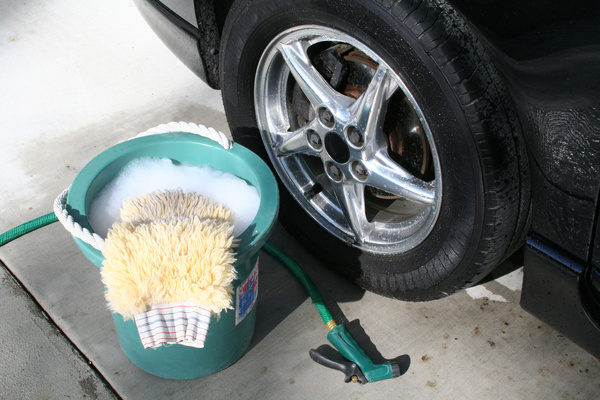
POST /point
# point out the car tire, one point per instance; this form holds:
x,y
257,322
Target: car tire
x,y
392,132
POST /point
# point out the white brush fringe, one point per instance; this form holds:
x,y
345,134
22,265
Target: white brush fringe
x,y
167,324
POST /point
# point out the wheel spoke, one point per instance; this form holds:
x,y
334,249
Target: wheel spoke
x,y
289,143
351,199
318,91
389,176
369,109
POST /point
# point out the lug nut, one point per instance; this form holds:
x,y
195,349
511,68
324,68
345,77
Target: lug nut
x,y
334,172
360,171
355,137
314,140
326,117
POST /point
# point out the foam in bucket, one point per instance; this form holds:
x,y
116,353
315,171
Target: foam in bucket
x,y
148,174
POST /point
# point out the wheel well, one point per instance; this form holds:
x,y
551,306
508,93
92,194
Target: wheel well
x,y
211,15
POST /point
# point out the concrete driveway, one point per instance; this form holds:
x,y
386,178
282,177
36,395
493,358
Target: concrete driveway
x,y
77,77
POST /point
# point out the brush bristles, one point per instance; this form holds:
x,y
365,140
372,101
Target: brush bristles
x,y
160,254
171,204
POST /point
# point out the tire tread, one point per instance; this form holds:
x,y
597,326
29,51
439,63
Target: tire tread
x,y
463,60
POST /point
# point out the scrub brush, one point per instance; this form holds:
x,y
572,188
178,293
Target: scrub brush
x,y
169,264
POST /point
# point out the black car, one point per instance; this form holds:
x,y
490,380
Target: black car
x,y
422,142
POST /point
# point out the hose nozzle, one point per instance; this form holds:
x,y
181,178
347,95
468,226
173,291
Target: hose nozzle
x,y
351,359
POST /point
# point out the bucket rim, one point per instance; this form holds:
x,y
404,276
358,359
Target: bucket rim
x,y
252,238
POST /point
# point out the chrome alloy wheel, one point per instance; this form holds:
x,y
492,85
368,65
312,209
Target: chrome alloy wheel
x,y
348,139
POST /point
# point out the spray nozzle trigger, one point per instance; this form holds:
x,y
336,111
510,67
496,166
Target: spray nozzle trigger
x,y
352,359
329,357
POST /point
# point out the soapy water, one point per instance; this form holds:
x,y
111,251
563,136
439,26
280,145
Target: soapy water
x,y
147,175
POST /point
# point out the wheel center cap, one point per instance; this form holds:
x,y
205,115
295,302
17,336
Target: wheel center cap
x,y
337,148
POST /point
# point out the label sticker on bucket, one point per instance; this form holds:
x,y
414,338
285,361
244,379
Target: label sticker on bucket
x,y
245,295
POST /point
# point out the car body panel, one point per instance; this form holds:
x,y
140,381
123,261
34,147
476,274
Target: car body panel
x,y
176,33
554,291
185,9
548,53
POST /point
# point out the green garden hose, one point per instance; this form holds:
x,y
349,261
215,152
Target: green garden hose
x,y
355,363
299,273
27,227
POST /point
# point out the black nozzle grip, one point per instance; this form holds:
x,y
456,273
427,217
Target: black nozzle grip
x,y
331,358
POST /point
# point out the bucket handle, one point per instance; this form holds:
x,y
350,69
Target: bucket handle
x,y
75,229
209,133
95,240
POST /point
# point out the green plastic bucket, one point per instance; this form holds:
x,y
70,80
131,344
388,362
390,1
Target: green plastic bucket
x,y
230,334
